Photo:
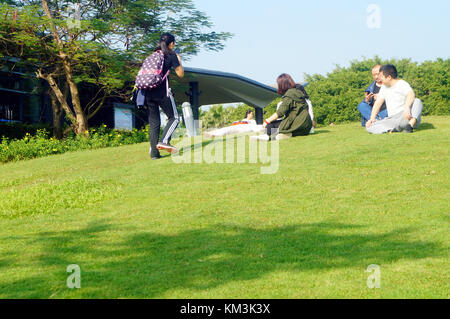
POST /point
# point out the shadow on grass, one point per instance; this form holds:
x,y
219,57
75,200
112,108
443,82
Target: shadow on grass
x,y
320,131
148,265
426,126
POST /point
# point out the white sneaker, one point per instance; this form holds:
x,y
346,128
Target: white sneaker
x,y
167,147
282,136
312,130
208,135
263,137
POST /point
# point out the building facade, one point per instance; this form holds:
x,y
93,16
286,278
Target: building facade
x,y
22,95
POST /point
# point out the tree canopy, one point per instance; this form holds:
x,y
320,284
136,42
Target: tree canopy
x,y
97,42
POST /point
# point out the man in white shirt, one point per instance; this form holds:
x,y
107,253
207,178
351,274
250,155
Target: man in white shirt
x,y
404,110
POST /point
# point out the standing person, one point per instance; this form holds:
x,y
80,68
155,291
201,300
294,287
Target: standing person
x,y
161,96
404,110
365,107
293,111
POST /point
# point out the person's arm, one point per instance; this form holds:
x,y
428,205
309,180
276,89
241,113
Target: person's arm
x,y
369,93
375,110
408,104
274,117
282,109
179,70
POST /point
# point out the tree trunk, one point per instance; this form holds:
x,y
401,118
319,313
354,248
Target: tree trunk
x,y
82,123
81,126
57,113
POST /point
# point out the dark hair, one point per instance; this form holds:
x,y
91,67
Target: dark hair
x,y
247,113
164,41
285,82
389,70
301,88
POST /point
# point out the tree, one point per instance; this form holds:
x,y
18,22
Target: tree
x,y
96,42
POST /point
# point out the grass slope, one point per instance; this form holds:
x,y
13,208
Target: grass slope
x,y
341,201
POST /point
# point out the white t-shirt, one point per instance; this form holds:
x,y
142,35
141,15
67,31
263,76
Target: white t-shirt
x,y
395,96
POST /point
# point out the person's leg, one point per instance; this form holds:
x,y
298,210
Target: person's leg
x,y
235,129
416,113
154,121
366,111
389,124
173,119
272,128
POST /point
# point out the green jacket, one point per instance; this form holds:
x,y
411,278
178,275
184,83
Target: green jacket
x,y
294,109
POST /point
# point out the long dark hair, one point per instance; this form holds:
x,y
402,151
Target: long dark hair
x,y
164,41
301,88
285,82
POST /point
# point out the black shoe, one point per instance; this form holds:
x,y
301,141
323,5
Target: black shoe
x,y
154,155
408,129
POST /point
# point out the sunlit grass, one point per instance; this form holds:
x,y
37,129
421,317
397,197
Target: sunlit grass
x,y
341,200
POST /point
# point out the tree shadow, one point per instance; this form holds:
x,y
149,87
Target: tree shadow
x,y
148,265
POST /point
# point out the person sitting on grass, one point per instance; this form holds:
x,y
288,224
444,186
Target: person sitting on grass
x,y
248,119
248,124
365,107
292,117
404,110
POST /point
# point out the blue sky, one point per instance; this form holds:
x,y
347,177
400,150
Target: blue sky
x,y
297,37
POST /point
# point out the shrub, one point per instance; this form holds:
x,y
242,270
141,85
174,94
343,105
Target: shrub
x,y
19,130
41,144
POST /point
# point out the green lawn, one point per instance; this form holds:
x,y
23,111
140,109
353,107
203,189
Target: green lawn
x,y
341,200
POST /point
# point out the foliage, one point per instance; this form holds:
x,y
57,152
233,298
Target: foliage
x,y
220,116
97,42
41,144
19,130
335,97
271,108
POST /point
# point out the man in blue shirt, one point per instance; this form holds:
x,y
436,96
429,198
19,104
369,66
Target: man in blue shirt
x,y
365,107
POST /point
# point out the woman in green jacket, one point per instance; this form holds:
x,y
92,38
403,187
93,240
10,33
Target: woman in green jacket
x,y
293,111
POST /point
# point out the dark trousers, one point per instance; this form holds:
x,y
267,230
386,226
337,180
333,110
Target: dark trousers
x,y
167,104
272,128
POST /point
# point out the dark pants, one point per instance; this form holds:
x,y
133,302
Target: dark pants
x,y
167,104
272,128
